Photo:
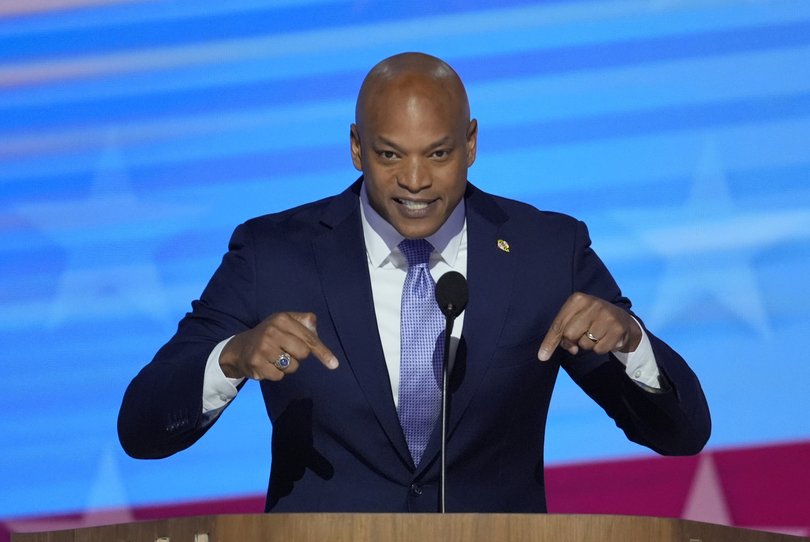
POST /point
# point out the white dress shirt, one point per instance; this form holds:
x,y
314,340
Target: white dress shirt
x,y
387,268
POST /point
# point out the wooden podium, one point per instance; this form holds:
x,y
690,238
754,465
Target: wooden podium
x,y
409,527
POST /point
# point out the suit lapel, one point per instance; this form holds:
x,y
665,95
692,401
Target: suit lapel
x,y
342,265
490,271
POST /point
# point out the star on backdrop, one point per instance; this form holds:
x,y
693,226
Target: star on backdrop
x,y
107,487
708,245
110,237
707,501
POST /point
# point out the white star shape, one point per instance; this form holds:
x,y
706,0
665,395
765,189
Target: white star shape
x,y
707,501
708,246
109,237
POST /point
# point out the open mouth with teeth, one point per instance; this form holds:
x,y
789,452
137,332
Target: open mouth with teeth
x,y
411,205
414,209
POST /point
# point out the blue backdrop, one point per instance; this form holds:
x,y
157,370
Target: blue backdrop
x,y
135,135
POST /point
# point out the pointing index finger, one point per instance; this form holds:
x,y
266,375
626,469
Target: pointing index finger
x,y
316,347
550,342
556,331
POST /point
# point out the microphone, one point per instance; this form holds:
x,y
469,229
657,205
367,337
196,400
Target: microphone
x,y
452,295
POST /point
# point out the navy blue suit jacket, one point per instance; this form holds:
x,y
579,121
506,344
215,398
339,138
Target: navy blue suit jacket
x,y
337,444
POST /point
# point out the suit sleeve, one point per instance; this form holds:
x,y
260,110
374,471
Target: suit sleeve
x,y
161,412
672,421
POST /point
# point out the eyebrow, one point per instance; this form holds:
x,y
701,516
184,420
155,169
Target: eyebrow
x,y
436,144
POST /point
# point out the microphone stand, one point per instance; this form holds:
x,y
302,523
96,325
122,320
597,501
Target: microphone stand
x,y
448,330
452,295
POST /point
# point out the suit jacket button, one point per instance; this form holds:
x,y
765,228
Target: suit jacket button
x,y
416,489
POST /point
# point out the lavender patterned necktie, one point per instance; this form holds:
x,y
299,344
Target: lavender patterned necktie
x,y
421,331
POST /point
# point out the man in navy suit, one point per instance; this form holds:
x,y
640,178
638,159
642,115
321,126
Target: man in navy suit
x,y
307,301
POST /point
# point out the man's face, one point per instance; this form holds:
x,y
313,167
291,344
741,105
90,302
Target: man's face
x,y
414,145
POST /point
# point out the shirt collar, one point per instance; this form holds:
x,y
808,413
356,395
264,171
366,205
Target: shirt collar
x,y
382,239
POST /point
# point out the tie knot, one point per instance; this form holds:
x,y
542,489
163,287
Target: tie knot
x,y
417,251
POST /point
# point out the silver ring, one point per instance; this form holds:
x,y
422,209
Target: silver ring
x,y
282,362
591,336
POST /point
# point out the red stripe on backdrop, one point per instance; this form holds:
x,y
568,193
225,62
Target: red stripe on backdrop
x,y
764,488
253,504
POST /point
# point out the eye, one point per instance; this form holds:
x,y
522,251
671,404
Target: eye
x,y
387,155
441,153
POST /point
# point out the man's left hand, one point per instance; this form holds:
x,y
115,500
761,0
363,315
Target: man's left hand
x,y
586,322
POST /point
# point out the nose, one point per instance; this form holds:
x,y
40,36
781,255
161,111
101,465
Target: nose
x,y
415,175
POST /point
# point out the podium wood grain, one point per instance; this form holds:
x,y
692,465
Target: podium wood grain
x,y
410,527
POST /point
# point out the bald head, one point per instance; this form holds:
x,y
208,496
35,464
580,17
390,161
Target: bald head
x,y
413,140
412,72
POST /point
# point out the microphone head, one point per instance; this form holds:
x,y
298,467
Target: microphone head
x,y
452,293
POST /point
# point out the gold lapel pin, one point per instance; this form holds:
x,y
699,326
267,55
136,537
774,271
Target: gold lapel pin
x,y
503,245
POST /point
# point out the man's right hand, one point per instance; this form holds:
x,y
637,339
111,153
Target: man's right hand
x,y
252,353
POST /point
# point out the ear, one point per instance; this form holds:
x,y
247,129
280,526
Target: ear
x,y
472,141
357,155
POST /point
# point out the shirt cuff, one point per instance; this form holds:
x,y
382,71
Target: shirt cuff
x,y
640,364
218,389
